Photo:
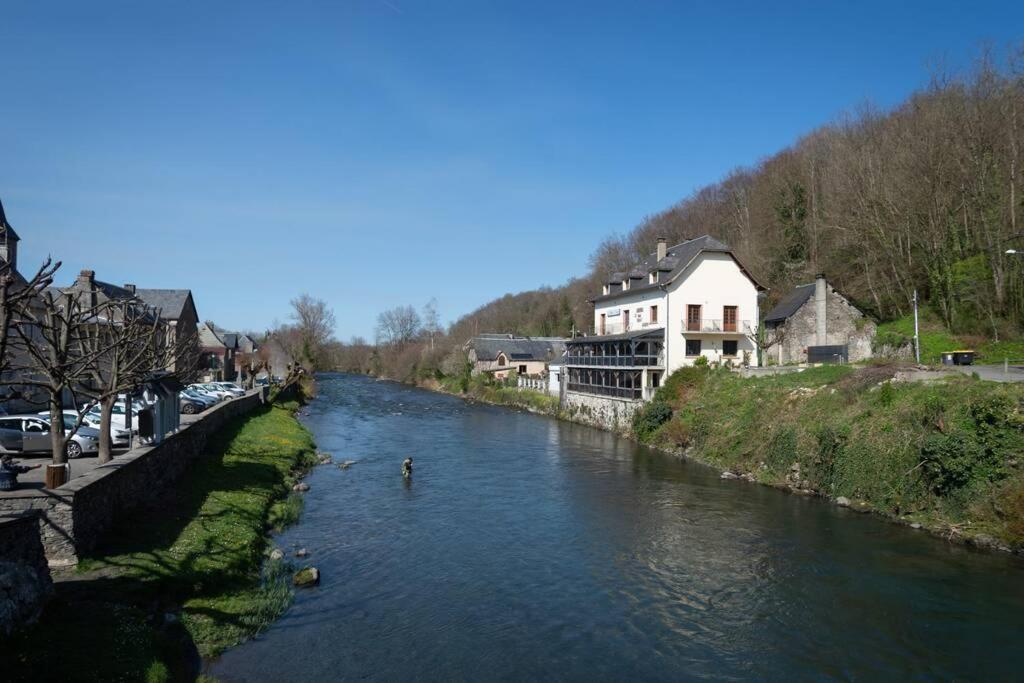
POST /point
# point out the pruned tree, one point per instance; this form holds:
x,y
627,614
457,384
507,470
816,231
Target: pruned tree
x,y
126,343
54,355
431,322
16,296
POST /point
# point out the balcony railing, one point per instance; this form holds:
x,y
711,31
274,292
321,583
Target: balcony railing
x,y
617,327
632,393
718,326
617,361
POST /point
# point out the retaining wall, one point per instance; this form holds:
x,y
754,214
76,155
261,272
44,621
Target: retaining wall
x,y
74,517
615,414
25,583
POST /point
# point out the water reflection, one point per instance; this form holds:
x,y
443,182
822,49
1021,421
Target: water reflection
x,y
529,548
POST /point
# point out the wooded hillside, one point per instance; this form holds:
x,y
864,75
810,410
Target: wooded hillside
x,y
928,196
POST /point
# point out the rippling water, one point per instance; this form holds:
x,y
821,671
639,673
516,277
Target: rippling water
x,y
526,548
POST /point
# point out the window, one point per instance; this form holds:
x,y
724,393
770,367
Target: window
x,y
693,347
654,314
522,369
729,318
729,347
603,319
625,319
655,379
501,360
692,318
654,276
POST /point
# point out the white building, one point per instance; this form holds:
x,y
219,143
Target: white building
x,y
681,303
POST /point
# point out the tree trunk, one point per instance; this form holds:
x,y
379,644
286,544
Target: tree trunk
x,y
106,410
57,439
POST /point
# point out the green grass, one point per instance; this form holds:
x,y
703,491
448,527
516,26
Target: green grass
x,y
943,453
199,559
935,340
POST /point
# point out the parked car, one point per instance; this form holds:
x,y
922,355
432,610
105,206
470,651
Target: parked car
x,y
191,406
212,390
119,436
117,415
206,399
230,386
263,381
34,433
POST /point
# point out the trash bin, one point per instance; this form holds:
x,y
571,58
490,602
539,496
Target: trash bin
x,y
146,429
964,357
948,358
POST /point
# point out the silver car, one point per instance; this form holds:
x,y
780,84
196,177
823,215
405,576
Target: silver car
x,y
118,436
31,434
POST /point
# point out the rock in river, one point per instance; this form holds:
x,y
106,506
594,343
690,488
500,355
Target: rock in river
x,y
301,552
277,554
843,501
306,577
301,487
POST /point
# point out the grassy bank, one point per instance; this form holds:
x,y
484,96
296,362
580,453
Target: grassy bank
x,y
168,587
484,388
947,455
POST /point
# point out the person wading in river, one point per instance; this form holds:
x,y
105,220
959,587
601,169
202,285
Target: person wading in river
x,y
407,468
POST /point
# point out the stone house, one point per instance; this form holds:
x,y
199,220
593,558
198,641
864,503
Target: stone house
x,y
177,309
815,323
217,354
501,354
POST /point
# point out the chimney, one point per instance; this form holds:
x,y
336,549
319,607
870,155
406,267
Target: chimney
x,y
662,247
821,310
130,287
87,277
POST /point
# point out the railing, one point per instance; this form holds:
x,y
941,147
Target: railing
x,y
633,393
718,326
617,361
534,383
617,327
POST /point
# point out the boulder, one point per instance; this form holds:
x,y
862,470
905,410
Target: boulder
x,y
306,577
277,554
728,475
301,552
345,465
915,525
843,501
301,487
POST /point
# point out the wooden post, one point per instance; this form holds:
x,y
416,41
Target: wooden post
x,y
56,475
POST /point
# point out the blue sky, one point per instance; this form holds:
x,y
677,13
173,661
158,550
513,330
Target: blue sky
x,y
383,152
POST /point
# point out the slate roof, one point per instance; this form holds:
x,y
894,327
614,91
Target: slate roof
x,y
790,303
208,338
5,227
171,302
675,262
518,348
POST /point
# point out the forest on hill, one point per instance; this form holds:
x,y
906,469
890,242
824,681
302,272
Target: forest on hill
x,y
925,196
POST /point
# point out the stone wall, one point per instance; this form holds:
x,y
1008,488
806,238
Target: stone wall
x,y
75,516
845,325
614,414
25,583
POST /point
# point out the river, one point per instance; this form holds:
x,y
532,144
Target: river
x,y
528,548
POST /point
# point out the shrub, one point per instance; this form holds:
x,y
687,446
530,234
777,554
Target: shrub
x,y
952,462
886,394
831,442
676,433
649,418
700,362
781,451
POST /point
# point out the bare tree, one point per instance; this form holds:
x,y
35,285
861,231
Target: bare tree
x,y
17,295
56,357
314,322
398,326
431,322
127,342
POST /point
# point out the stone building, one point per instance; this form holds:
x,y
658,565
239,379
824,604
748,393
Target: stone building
x,y
815,323
501,354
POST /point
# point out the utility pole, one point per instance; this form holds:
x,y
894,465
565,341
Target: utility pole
x,y
917,334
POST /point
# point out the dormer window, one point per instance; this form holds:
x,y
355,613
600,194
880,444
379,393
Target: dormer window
x,y
607,288
625,284
653,277
501,360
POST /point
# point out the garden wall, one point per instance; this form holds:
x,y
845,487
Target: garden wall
x,y
25,582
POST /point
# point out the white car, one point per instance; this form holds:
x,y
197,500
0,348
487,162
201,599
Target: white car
x,y
117,415
212,390
118,435
230,386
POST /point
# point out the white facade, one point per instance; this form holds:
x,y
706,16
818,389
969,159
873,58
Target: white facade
x,y
722,326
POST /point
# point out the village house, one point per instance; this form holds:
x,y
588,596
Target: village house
x,y
816,324
693,300
177,309
502,354
217,358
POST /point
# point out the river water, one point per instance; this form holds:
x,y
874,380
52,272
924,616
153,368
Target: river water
x,y
527,548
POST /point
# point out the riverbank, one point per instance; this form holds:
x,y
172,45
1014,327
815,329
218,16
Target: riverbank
x,y
162,592
941,456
